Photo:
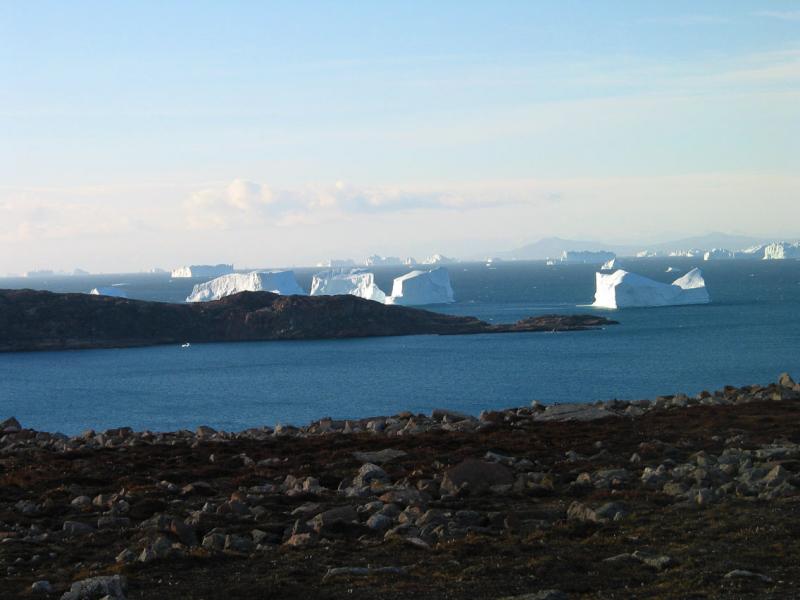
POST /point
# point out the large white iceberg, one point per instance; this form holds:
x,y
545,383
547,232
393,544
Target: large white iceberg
x,y
622,289
277,282
202,271
109,291
355,282
781,251
422,287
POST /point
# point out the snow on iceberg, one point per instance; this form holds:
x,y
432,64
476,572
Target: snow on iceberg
x,y
719,254
622,289
109,291
355,282
438,259
277,282
202,271
422,287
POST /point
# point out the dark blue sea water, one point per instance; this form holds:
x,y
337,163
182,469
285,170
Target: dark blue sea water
x,y
749,334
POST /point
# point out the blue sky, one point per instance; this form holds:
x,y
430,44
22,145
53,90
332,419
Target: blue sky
x,y
279,134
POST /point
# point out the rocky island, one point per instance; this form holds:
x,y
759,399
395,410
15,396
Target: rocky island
x,y
672,498
39,320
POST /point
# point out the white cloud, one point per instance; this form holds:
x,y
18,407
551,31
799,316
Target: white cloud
x,y
243,203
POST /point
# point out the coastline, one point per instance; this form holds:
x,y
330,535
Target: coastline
x,y
586,500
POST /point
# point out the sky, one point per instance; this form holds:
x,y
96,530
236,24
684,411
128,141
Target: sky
x,y
153,134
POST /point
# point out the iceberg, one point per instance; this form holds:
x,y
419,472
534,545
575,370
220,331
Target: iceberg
x,y
586,257
337,262
622,289
438,259
355,282
277,282
422,287
781,251
719,254
202,271
109,291
611,265
376,260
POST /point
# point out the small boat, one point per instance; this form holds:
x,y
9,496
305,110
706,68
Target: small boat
x,y
186,345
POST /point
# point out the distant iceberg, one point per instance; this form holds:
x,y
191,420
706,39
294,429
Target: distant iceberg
x,y
719,254
622,289
277,282
378,261
781,251
202,271
438,259
109,291
355,282
337,262
422,287
586,257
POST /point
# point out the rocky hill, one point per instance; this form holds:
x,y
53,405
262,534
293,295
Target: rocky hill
x,y
38,320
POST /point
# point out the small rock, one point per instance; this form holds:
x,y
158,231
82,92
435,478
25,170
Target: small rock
x,y
41,587
380,457
76,528
742,574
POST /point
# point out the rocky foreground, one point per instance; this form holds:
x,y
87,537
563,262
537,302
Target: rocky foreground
x,y
673,498
38,320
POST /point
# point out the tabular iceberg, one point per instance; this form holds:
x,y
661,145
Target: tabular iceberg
x,y
586,257
354,282
622,289
422,287
202,271
277,282
109,291
719,254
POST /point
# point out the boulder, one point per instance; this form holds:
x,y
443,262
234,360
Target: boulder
x,y
113,586
476,476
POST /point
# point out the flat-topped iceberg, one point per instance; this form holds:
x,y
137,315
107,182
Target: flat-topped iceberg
x,y
438,259
277,282
422,287
622,289
355,282
109,291
202,271
586,257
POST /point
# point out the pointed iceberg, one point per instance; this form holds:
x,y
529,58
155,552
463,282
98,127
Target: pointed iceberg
x,y
622,289
611,265
277,282
355,282
422,287
109,291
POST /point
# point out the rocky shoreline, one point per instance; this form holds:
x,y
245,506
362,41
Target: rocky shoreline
x,y
37,320
679,497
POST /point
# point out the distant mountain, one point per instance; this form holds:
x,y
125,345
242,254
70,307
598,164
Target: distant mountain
x,y
711,240
553,247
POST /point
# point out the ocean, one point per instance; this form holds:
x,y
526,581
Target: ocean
x,y
749,334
